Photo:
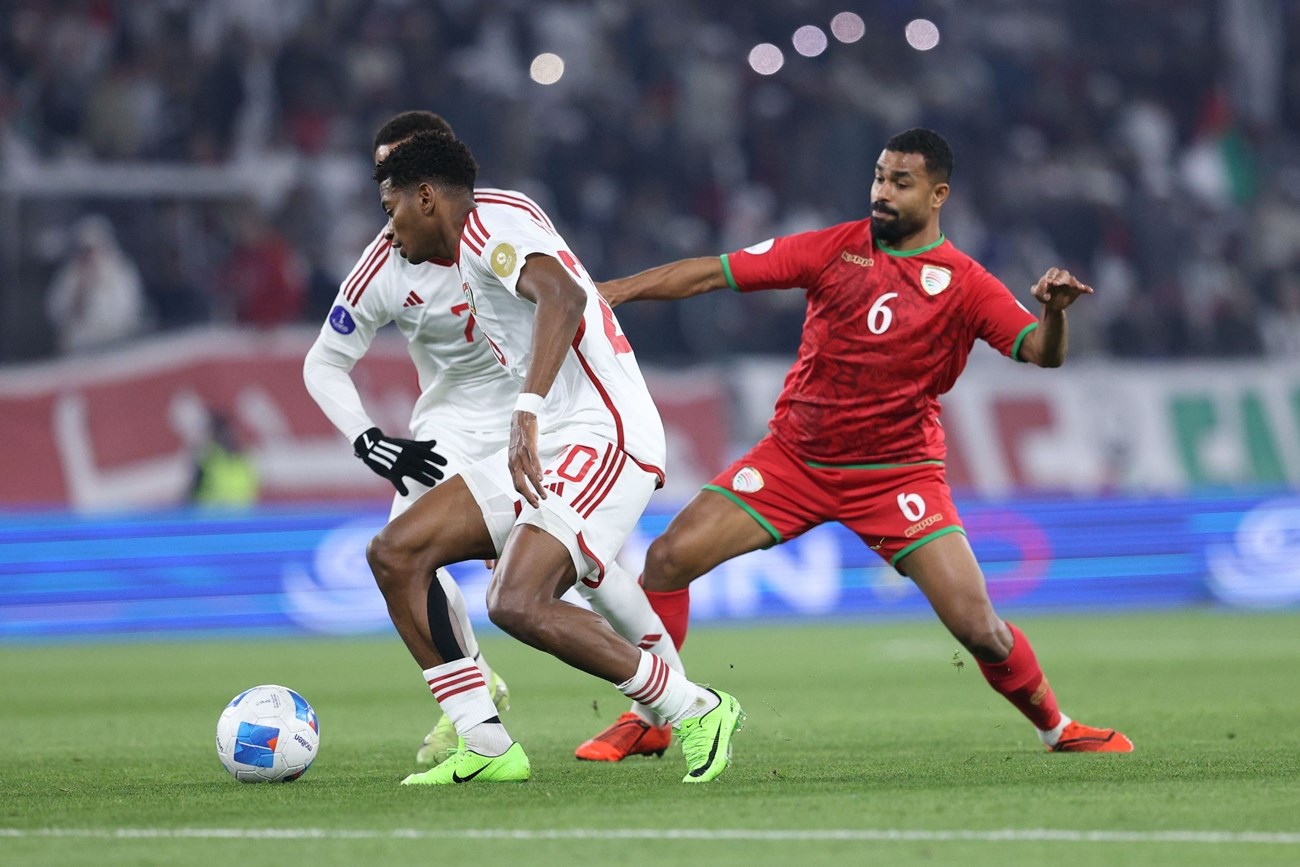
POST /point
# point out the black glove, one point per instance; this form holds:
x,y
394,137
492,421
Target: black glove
x,y
395,458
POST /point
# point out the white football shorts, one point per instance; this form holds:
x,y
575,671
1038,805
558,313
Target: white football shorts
x,y
461,449
595,495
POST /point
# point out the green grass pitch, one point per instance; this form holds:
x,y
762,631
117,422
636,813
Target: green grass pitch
x,y
867,743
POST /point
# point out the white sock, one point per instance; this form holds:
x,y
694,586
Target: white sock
x,y
647,716
620,600
484,668
488,739
665,691
462,693
1051,736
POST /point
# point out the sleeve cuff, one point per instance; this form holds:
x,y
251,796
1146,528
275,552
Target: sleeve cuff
x,y
1020,338
726,271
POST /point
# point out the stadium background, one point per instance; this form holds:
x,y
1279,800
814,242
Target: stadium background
x,y
1151,146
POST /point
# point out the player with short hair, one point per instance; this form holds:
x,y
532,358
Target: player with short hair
x,y
586,450
893,311
462,416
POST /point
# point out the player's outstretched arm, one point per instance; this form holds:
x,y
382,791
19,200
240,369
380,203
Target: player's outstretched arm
x,y
680,279
560,304
1047,344
327,374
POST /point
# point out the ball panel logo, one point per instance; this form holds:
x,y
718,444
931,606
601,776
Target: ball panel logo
x,y
341,320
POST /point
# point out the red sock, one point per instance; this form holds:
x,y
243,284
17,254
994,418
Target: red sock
x,y
1021,681
674,609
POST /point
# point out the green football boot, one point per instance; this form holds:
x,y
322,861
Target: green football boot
x,y
466,765
706,740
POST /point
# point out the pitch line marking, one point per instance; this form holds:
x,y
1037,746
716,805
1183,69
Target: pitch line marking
x,y
1006,835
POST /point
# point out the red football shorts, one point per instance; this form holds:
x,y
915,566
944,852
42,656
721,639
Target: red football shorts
x,y
893,508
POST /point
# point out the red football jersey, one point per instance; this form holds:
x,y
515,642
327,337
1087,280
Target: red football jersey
x,y
885,333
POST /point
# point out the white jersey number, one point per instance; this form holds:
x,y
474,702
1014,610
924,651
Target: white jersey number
x,y
880,317
912,506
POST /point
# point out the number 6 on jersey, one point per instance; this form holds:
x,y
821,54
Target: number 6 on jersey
x,y
912,506
880,317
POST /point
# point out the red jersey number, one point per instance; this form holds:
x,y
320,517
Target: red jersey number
x,y
577,463
456,310
571,262
613,331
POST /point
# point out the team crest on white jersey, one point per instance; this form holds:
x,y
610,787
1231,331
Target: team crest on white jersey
x,y
503,260
935,279
747,480
761,246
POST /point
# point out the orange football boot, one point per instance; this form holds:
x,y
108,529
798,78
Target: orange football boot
x,y
628,736
1079,738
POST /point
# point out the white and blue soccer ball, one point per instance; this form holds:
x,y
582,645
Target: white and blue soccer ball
x,y
268,734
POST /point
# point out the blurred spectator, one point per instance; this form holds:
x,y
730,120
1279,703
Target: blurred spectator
x,y
217,101
1118,137
96,297
176,296
263,282
223,474
1282,321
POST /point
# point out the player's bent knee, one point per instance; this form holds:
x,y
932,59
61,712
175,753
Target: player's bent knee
x,y
667,565
507,620
509,613
380,557
391,561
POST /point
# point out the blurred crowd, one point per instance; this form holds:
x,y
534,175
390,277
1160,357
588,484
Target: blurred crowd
x,y
1151,146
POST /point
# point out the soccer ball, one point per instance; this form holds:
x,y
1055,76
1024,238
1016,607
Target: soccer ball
x,y
267,734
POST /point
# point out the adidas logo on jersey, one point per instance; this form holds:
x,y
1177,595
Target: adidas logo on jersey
x,y
412,300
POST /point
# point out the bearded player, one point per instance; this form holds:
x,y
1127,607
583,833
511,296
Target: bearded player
x,y
461,416
893,311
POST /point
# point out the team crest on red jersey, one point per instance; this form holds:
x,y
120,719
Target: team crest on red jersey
x,y
935,279
747,480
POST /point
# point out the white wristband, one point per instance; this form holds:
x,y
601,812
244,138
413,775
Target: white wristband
x,y
529,403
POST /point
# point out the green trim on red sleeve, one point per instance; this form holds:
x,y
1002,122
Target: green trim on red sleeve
x,y
1015,347
726,270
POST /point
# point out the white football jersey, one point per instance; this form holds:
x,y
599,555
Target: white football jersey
x,y
462,386
599,385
